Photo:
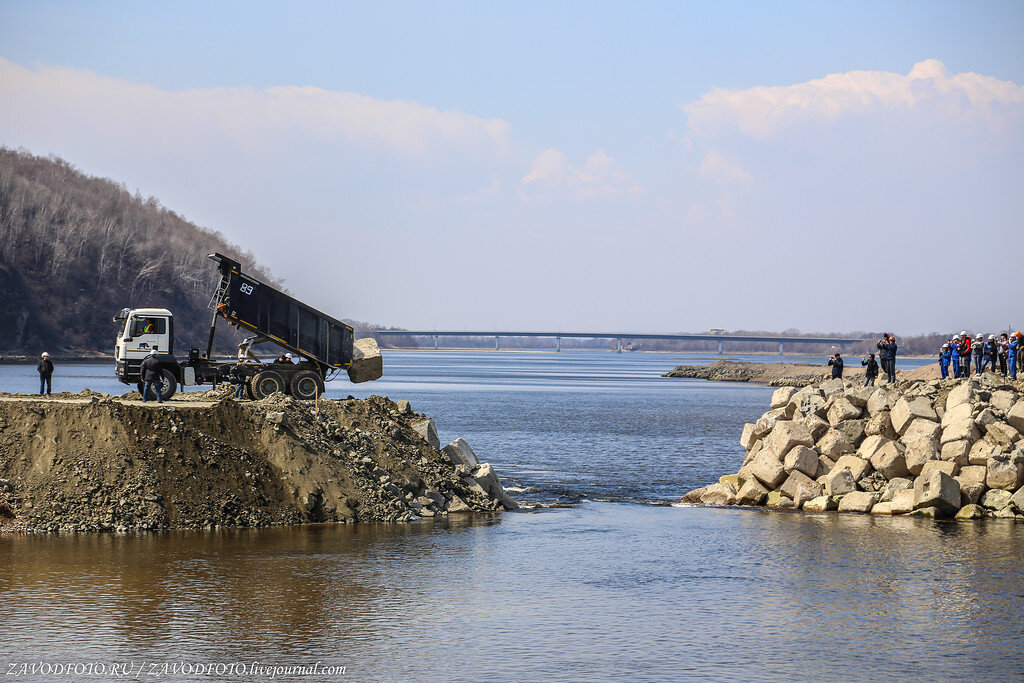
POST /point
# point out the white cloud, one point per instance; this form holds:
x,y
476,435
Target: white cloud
x,y
600,175
929,88
715,167
44,97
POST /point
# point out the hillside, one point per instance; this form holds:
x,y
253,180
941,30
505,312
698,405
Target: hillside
x,y
75,249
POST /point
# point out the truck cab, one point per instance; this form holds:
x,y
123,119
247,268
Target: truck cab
x,y
142,330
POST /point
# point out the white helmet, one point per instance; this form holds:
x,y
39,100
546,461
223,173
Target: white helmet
x,y
153,352
945,346
981,336
956,337
287,355
991,336
45,355
963,333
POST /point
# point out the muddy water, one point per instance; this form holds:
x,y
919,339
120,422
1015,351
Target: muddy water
x,y
618,585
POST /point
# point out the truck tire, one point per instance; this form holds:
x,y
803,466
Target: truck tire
x,y
266,383
168,386
307,385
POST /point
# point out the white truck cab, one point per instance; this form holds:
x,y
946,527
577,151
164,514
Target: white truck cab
x,y
141,331
145,329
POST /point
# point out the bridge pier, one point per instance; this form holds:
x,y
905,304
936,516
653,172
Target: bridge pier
x,y
435,342
558,344
619,340
496,338
780,349
719,347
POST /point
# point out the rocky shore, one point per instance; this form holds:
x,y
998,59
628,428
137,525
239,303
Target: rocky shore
x,y
787,374
938,448
90,462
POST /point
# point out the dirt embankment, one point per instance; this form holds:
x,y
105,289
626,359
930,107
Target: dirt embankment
x,y
88,462
790,374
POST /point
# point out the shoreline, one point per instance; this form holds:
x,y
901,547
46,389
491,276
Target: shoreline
x,y
790,374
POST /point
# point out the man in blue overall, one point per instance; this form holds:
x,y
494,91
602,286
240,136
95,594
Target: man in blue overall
x,y
954,355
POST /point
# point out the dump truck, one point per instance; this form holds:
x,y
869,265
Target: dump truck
x,y
323,344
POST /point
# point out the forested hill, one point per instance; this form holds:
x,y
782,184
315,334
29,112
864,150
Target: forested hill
x,y
75,249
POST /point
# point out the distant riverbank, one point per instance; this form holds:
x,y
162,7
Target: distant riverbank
x,y
787,374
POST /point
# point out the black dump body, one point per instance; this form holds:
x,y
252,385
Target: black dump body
x,y
246,302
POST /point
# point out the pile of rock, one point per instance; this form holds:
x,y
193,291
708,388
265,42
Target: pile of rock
x,y
940,448
97,463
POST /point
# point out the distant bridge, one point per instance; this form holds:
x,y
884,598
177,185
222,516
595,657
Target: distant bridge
x,y
618,336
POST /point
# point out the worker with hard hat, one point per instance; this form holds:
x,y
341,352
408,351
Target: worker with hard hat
x,y
965,354
979,352
944,356
45,369
151,372
1014,348
991,353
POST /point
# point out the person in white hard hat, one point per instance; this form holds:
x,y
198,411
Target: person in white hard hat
x,y
284,358
979,350
991,354
45,369
944,356
151,374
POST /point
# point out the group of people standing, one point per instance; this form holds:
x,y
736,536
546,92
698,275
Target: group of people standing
x,y
887,349
999,353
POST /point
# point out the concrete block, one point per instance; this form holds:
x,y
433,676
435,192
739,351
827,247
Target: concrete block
x,y
857,501
905,411
803,459
889,461
367,362
858,466
937,490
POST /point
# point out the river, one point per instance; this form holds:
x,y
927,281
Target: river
x,y
603,579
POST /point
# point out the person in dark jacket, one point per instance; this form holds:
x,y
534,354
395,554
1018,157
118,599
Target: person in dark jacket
x,y
991,355
965,354
238,377
152,374
870,369
887,353
836,362
45,369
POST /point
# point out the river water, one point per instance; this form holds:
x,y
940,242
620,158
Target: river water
x,y
603,579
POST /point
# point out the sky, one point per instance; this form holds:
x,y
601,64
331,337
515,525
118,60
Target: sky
x,y
593,166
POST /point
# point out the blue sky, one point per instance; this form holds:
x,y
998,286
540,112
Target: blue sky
x,y
658,166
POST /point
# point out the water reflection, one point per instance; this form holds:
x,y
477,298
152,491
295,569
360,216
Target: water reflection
x,y
598,591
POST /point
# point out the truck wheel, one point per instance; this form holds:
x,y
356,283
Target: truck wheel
x,y
307,385
168,385
266,383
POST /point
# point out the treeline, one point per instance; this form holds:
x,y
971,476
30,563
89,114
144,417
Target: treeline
x,y
75,249
918,345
